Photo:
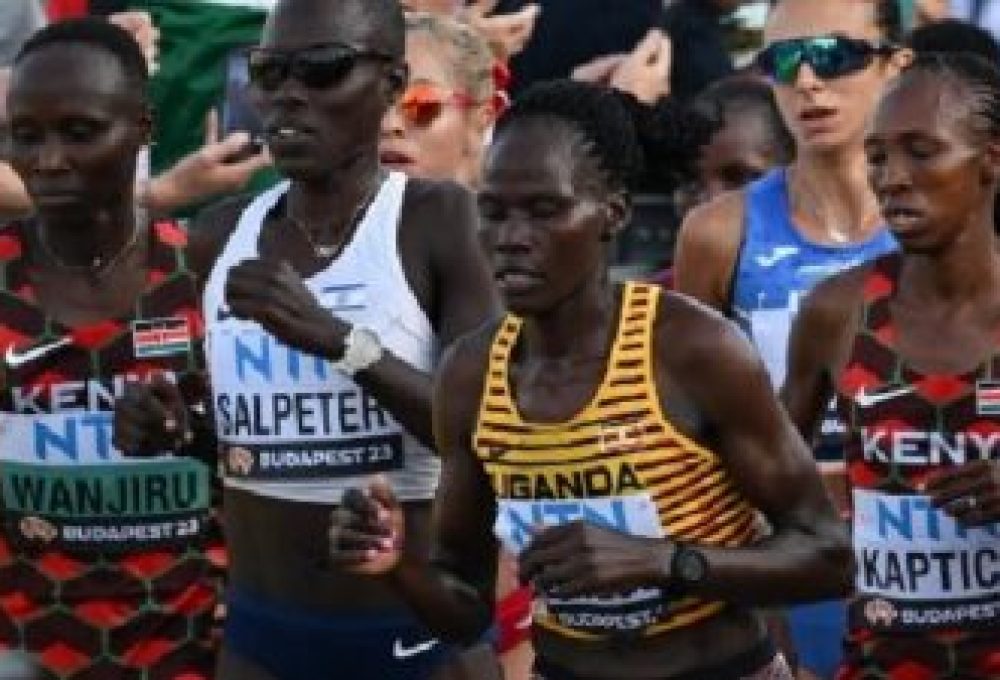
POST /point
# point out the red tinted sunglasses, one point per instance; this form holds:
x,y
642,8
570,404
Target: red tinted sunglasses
x,y
422,103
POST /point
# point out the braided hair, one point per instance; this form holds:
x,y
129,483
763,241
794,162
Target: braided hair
x,y
635,147
977,82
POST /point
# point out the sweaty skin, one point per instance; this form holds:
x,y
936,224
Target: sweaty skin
x,y
570,312
277,549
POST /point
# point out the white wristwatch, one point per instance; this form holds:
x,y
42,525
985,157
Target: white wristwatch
x,y
362,349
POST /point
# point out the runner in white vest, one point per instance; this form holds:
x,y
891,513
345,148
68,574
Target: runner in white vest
x,y
327,301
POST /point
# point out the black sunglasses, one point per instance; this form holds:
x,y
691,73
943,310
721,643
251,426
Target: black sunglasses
x,y
316,66
829,56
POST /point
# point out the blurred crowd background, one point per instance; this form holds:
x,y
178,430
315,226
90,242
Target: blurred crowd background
x,y
651,47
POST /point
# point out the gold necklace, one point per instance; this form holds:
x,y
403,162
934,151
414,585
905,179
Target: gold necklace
x,y
324,251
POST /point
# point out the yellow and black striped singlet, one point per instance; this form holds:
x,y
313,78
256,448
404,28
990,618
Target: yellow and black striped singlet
x,y
619,462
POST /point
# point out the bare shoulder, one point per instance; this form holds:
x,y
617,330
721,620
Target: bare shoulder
x,y
717,224
438,223
692,337
464,364
434,193
708,247
211,229
433,207
831,305
458,386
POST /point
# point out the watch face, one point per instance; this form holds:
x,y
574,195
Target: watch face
x,y
691,566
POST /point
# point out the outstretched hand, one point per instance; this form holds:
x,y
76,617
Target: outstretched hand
x,y
220,166
141,27
367,530
580,558
644,72
506,33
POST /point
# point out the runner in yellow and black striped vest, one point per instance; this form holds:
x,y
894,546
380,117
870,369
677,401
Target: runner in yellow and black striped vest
x,y
624,442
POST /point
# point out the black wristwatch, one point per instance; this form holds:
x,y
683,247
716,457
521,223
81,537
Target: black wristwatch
x,y
688,567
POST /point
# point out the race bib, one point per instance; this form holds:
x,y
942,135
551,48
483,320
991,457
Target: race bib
x,y
636,515
283,415
113,507
919,569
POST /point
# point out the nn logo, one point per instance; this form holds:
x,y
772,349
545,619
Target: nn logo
x,y
37,529
880,612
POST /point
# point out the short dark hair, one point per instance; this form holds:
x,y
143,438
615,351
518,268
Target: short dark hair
x,y
954,35
744,94
888,17
390,22
100,34
383,18
634,145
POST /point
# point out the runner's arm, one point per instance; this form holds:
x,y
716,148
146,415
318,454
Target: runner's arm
x,y
812,348
453,592
444,268
707,249
818,341
460,298
807,556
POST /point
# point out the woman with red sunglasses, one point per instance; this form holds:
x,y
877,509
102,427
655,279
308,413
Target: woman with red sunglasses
x,y
437,130
438,127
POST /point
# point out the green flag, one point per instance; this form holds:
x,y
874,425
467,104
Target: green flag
x,y
195,38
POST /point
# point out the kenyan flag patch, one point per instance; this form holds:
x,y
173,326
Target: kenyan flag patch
x,y
988,398
161,337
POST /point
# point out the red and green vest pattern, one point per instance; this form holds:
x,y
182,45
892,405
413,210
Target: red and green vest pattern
x,y
105,569
927,601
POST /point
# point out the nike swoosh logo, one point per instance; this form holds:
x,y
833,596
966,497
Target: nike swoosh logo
x,y
866,399
525,623
777,255
15,359
402,652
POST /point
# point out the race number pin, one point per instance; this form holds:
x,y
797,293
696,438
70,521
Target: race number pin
x,y
988,398
161,337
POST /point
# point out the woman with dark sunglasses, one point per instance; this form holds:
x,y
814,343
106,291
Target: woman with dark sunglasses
x,y
754,253
438,125
909,344
327,300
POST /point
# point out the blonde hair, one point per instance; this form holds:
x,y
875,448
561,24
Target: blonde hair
x,y
471,59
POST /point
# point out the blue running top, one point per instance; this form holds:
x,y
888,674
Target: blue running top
x,y
777,267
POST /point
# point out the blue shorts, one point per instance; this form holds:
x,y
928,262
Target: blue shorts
x,y
818,632
294,644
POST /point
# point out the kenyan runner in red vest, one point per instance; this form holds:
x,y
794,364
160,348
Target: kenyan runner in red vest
x,y
911,346
104,569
